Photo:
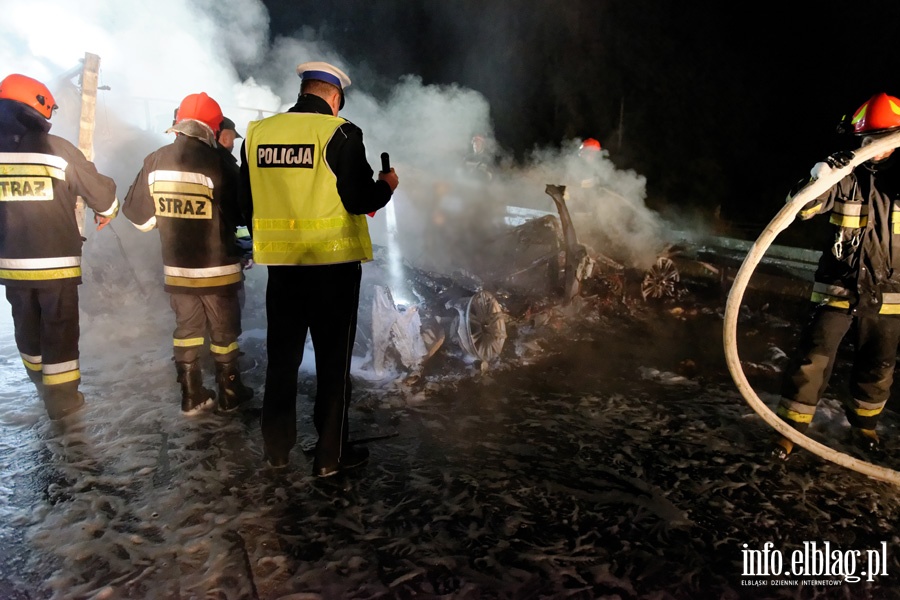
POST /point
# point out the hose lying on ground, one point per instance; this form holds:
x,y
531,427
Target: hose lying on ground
x,y
732,307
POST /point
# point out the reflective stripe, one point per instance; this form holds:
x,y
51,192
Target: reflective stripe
x,y
859,404
56,368
164,176
33,163
794,416
831,295
797,407
40,275
809,212
301,224
849,221
868,412
62,377
187,342
223,349
149,225
851,209
829,300
112,210
32,365
333,247
40,263
203,282
205,272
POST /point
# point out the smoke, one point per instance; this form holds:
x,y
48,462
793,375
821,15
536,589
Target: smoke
x,y
444,215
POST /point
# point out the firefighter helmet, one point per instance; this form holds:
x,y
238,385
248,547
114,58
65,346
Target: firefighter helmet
x,y
30,92
878,114
200,107
589,145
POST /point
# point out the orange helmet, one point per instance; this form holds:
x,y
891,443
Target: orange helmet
x,y
878,114
30,92
200,107
589,145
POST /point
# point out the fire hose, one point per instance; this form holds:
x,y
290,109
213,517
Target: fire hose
x,y
785,216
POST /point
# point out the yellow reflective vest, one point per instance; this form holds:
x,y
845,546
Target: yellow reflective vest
x,y
298,217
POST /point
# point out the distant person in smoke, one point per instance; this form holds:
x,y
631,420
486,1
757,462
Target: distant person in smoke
x,y
40,243
857,286
478,161
308,186
185,189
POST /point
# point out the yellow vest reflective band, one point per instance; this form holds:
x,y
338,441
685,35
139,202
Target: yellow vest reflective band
x,y
298,217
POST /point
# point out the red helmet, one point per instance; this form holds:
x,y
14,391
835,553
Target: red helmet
x,y
30,92
589,145
200,107
878,114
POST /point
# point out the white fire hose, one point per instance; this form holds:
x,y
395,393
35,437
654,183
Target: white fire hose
x,y
781,221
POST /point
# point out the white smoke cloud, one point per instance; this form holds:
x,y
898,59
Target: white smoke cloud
x,y
153,54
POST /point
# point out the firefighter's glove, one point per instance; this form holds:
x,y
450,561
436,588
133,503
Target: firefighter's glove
x,y
840,159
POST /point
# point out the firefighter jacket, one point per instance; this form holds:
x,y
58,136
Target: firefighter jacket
x,y
308,185
185,191
861,269
41,175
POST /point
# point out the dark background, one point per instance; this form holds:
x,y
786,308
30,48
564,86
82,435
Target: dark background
x,y
723,106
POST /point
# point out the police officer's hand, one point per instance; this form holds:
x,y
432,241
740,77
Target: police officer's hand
x,y
840,159
101,221
391,178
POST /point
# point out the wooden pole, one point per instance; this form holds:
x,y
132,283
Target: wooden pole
x,y
89,80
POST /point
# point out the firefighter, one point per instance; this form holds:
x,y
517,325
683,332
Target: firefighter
x,y
184,190
857,285
40,244
308,186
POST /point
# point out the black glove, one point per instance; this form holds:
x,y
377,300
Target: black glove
x,y
840,159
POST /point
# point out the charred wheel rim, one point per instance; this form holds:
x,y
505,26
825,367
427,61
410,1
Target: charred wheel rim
x,y
660,280
485,327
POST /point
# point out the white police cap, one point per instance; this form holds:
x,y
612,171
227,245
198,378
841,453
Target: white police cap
x,y
323,72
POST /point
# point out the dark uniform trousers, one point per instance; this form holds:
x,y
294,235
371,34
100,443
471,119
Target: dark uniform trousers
x,y
876,341
322,300
46,328
195,314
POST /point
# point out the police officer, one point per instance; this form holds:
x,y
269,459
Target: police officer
x,y
40,244
857,282
184,190
308,186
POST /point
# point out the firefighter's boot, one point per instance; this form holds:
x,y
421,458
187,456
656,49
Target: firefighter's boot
x,y
37,378
782,448
62,400
865,439
193,395
232,392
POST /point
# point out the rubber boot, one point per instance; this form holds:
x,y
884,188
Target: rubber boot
x,y
782,448
865,439
193,395
62,400
232,392
37,378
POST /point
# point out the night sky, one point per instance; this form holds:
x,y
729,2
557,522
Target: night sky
x,y
717,104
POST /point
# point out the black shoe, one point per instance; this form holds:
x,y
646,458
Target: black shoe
x,y
276,461
351,457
